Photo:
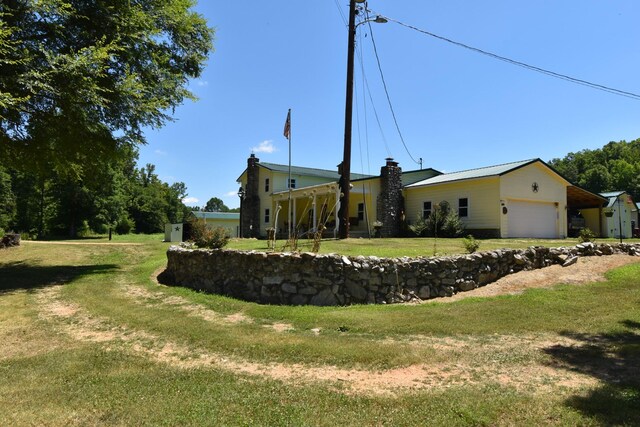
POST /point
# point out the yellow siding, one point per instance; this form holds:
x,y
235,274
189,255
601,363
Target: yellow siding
x,y
365,191
482,194
265,200
231,225
518,185
279,180
592,220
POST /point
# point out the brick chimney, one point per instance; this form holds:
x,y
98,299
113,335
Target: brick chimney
x,y
251,204
390,202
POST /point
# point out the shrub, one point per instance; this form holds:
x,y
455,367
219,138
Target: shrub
x,y
470,244
443,222
420,227
124,225
205,237
586,235
453,226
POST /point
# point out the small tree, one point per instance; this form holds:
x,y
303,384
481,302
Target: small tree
x,y
470,244
443,222
586,235
420,227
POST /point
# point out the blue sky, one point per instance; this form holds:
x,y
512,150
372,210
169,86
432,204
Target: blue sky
x,y
455,108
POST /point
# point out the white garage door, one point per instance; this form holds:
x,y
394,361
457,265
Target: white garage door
x,y
531,219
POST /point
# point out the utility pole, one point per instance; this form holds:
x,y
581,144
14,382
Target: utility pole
x,y
345,169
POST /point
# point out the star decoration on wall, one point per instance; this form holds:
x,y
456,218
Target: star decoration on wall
x,y
535,187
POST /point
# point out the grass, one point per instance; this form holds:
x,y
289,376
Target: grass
x,y
88,339
409,247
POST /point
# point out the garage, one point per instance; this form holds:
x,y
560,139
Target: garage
x,y
533,219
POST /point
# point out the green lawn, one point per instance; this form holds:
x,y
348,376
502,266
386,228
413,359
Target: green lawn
x,y
411,247
87,338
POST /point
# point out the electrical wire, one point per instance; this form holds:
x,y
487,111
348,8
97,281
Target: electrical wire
x,y
386,91
373,106
344,19
368,91
523,64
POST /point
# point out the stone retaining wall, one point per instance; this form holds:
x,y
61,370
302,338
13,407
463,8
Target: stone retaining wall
x,y
307,278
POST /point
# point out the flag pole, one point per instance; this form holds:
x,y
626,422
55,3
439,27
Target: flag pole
x,y
287,134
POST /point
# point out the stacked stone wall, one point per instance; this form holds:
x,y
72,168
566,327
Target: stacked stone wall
x,y
329,279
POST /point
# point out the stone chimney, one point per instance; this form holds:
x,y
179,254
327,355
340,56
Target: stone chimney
x,y
251,204
390,203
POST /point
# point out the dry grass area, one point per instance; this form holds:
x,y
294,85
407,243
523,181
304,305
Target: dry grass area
x,y
88,327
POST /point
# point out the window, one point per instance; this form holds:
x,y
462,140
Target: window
x,y
266,216
426,210
266,185
360,211
463,207
292,183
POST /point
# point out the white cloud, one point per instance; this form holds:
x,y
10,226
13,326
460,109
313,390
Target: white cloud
x,y
160,152
231,193
264,147
202,83
190,200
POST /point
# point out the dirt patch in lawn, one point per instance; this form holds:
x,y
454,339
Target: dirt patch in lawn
x,y
83,243
517,361
533,377
586,270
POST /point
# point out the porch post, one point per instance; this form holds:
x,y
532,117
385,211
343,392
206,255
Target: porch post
x,y
336,229
315,213
293,220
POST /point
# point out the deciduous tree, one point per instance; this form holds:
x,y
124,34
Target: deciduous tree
x,y
78,79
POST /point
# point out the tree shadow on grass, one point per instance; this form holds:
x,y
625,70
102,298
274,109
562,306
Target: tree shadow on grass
x,y
612,358
22,275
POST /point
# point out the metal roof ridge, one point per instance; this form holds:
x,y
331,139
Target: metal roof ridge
x,y
491,166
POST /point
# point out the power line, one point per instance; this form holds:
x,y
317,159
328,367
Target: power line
x,y
386,91
373,105
344,18
524,65
368,90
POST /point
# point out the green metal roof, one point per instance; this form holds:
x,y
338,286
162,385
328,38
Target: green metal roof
x,y
217,215
484,172
612,196
299,170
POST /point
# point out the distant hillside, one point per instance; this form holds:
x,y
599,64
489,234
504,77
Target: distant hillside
x,y
616,166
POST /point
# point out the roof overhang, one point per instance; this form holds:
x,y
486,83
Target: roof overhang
x,y
579,198
310,191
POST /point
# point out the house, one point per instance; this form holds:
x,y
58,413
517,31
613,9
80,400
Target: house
x,y
635,219
616,215
519,199
227,220
315,195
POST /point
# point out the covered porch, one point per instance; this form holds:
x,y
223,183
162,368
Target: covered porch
x,y
306,209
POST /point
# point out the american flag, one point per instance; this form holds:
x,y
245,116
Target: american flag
x,y
287,126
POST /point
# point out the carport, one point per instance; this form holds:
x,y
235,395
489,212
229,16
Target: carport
x,y
588,204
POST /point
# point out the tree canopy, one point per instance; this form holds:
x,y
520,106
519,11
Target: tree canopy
x,y
614,167
119,196
215,205
81,79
